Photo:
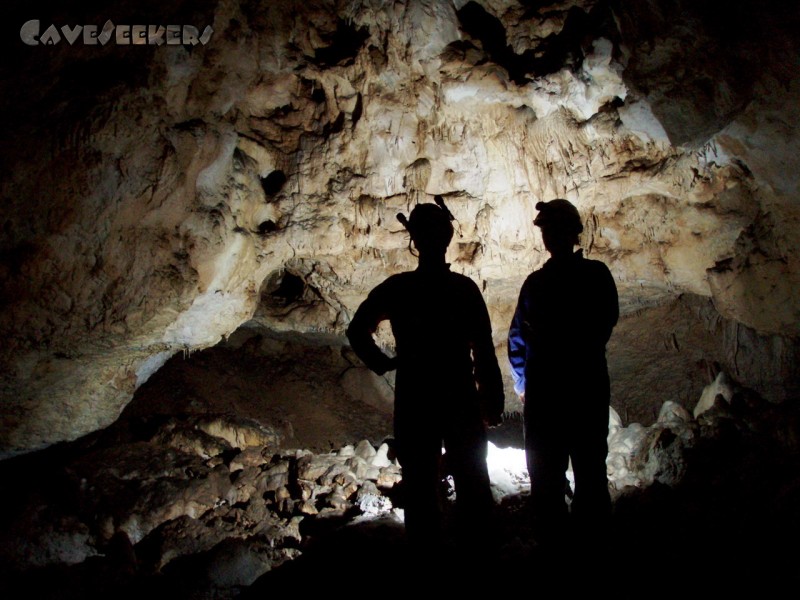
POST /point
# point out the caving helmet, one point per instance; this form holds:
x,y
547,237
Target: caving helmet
x,y
430,225
560,214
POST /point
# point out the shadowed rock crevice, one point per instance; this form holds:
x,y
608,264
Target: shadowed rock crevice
x,y
565,49
714,53
344,44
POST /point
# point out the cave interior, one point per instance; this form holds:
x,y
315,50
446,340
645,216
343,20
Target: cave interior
x,y
189,226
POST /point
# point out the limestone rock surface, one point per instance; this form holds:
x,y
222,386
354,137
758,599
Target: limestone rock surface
x,y
173,193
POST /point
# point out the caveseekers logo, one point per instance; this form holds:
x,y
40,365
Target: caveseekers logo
x,y
136,35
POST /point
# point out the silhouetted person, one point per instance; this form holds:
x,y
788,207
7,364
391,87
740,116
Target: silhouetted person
x,y
448,384
556,346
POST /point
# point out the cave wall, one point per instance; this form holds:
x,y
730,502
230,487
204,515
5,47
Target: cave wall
x,y
156,198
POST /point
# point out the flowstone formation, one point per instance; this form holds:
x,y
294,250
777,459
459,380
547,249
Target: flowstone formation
x,y
175,193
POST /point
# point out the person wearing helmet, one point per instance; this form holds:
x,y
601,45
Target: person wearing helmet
x,y
448,385
556,346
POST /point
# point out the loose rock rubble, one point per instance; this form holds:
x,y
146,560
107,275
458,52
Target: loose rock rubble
x,y
215,502
194,485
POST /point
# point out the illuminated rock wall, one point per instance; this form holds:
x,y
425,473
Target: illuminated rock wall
x,y
174,193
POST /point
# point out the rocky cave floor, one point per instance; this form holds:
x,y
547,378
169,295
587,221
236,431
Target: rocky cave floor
x,y
194,493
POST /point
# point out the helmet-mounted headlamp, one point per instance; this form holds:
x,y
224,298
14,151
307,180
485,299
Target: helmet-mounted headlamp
x,y
430,225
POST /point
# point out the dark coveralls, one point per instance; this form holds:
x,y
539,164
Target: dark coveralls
x,y
556,346
447,380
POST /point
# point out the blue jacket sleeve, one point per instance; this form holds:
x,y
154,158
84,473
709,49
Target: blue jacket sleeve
x,y
517,345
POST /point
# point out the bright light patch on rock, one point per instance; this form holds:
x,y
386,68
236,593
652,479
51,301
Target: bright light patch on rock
x,y
508,471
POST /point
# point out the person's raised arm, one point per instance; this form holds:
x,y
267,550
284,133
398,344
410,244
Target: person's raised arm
x,y
365,322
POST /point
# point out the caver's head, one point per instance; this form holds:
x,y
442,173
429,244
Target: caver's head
x,y
430,227
560,224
